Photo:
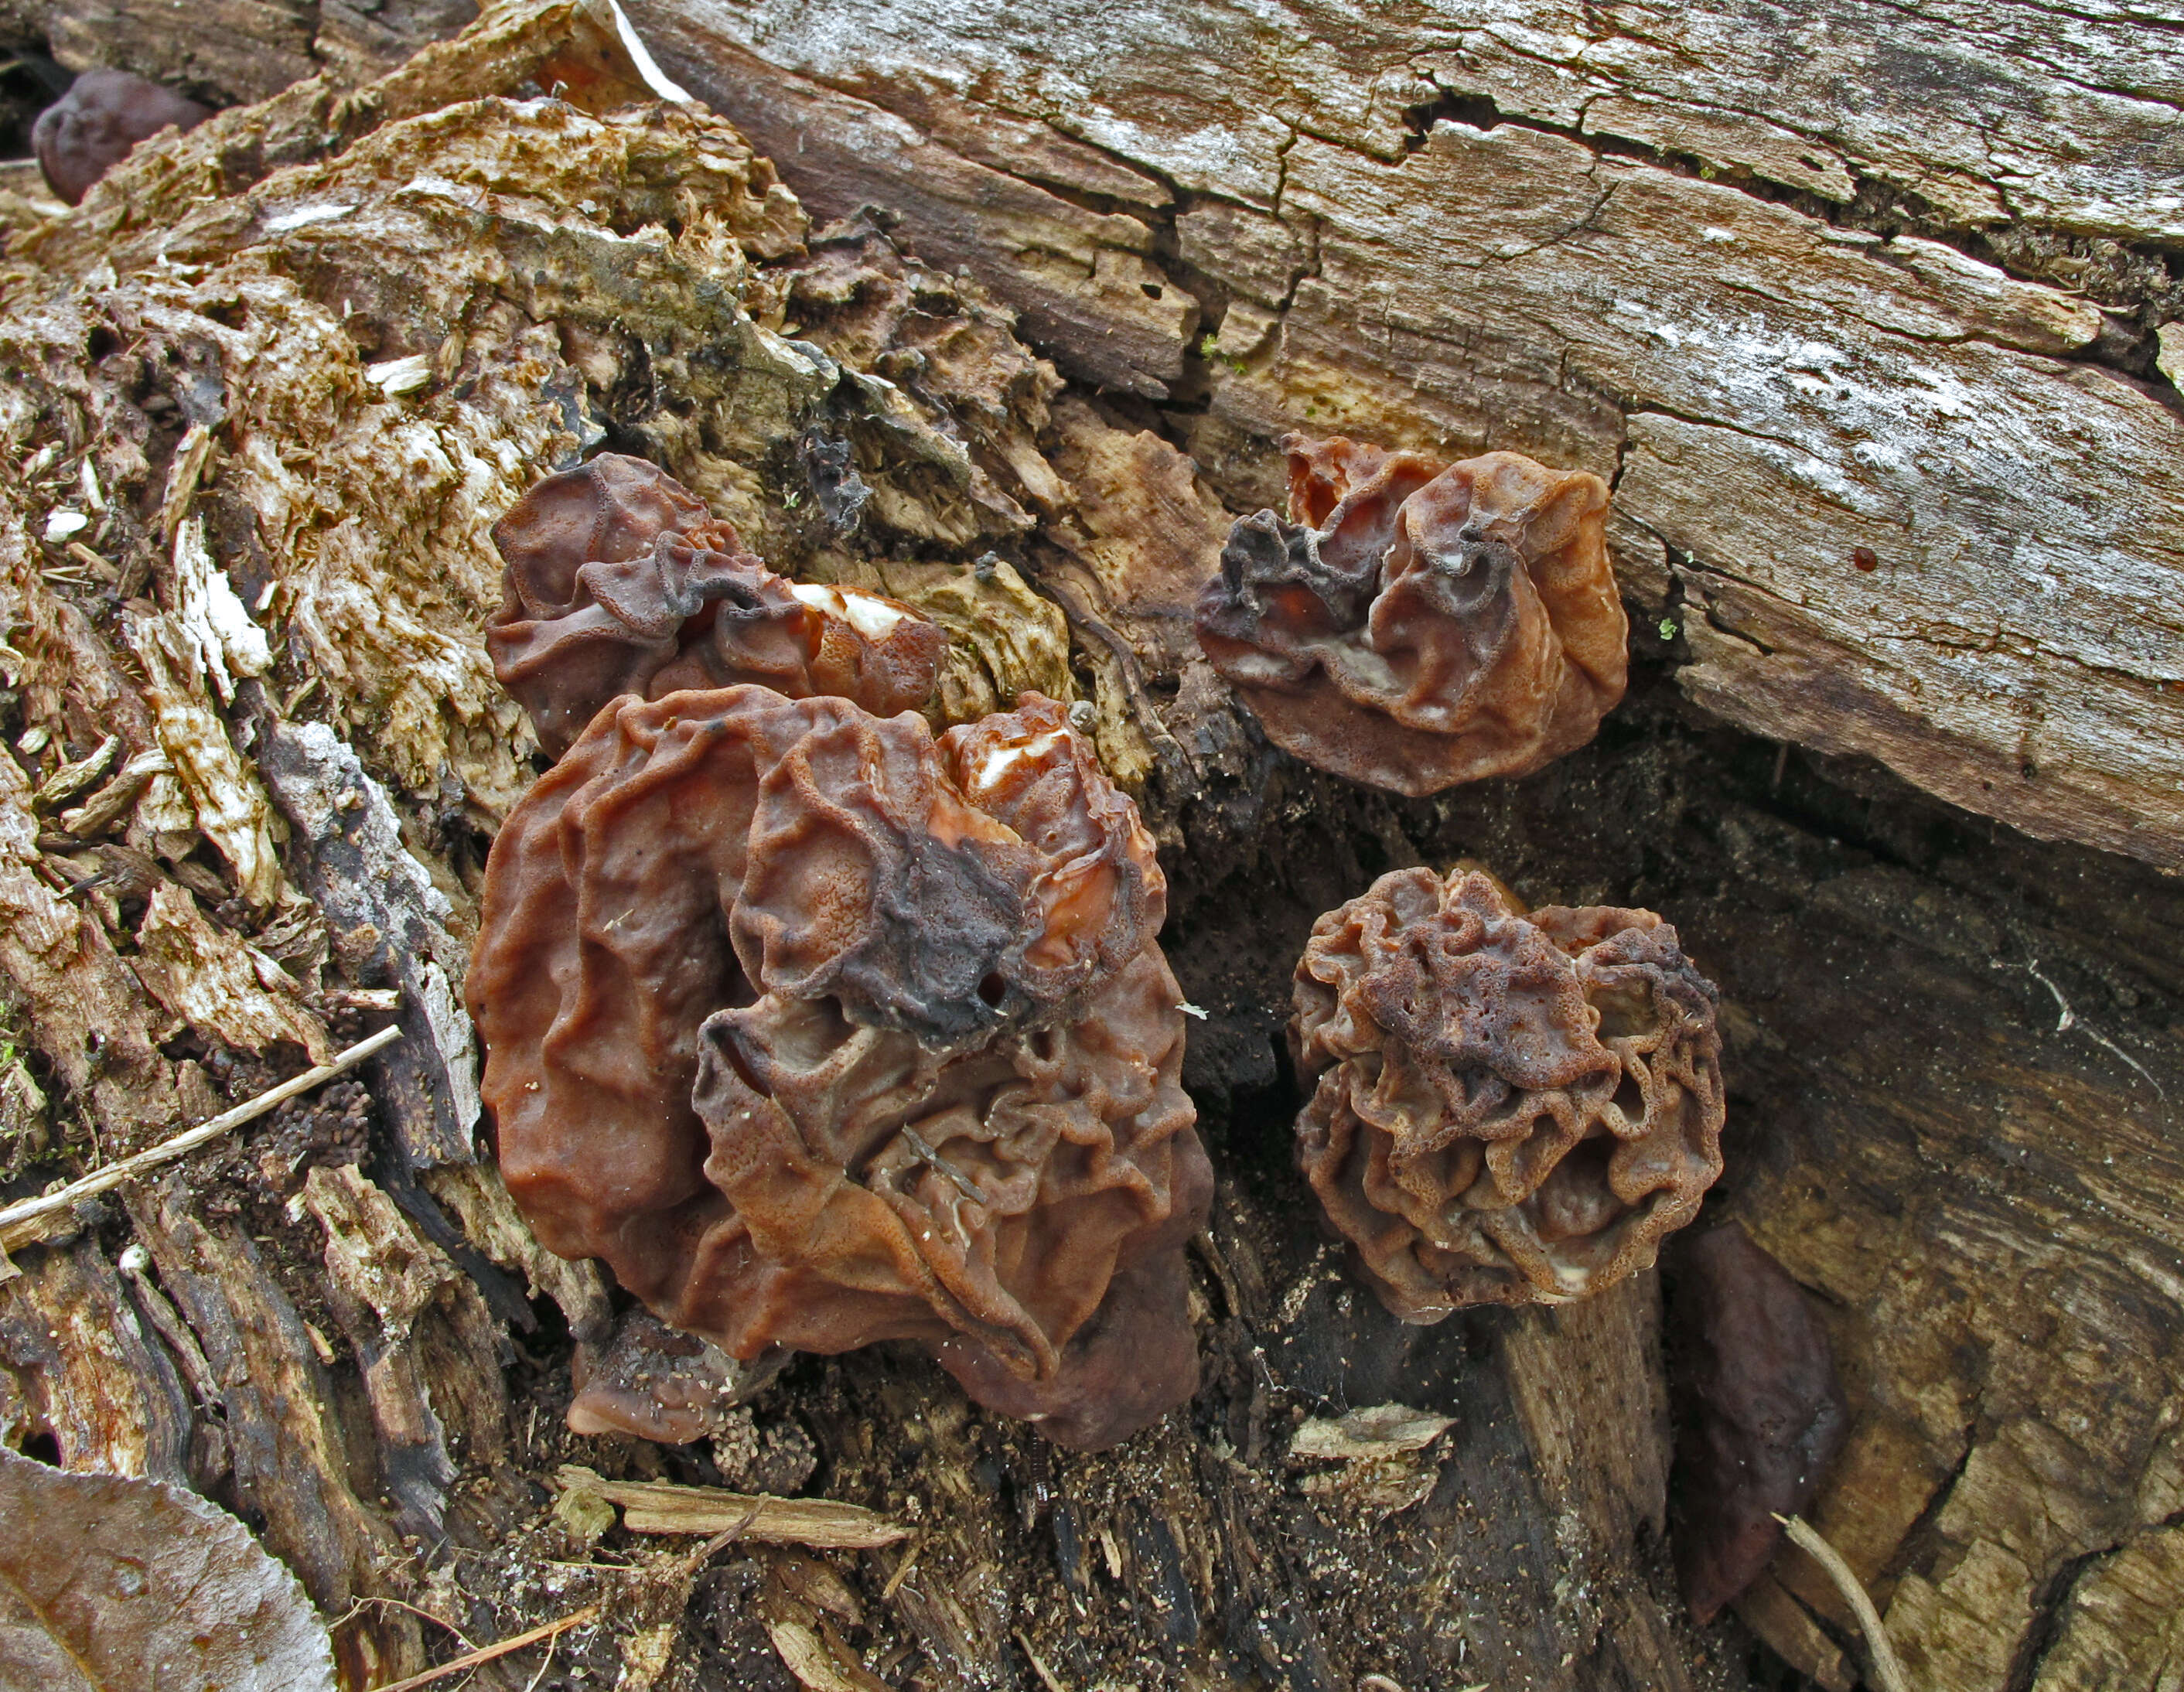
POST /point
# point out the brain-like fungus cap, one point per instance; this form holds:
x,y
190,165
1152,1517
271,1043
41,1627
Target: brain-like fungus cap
x,y
1504,1108
1413,624
618,581
821,1030
97,123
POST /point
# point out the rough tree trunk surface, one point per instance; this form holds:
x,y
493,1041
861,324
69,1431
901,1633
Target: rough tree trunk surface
x,y
1861,286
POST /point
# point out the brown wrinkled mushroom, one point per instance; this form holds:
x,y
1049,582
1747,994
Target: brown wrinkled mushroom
x,y
1413,624
618,581
1760,1414
822,1031
1505,1108
98,122
659,1385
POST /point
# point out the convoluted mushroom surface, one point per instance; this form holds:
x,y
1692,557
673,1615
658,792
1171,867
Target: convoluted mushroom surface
x,y
821,1031
618,581
1412,624
1503,1108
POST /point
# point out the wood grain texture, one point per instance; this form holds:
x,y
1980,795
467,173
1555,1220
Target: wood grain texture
x,y
1990,110
1778,397
1987,1205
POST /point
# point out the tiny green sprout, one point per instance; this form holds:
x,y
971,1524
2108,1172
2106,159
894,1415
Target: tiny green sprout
x,y
792,498
1668,628
1207,343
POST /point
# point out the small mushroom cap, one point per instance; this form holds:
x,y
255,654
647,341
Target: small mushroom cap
x,y
1762,1414
821,1030
1413,624
658,1384
617,580
609,510
1504,1109
96,124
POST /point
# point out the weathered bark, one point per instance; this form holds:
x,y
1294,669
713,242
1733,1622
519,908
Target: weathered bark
x,y
316,349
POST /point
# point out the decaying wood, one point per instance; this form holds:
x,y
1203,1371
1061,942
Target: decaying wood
x,y
236,50
305,357
23,1223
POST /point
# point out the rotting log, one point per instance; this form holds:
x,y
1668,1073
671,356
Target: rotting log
x,y
1952,1050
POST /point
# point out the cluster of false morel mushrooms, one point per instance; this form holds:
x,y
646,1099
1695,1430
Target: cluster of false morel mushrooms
x,y
1502,1107
819,1029
822,1029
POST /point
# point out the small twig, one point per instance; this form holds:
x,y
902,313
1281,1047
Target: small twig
x,y
539,1679
19,1221
901,1572
661,1507
473,1658
1049,1679
728,1536
1887,1667
933,1160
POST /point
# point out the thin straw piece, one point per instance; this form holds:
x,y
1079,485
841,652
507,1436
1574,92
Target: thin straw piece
x,y
1887,1666
488,1653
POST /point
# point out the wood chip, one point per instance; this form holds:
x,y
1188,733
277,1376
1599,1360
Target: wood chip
x,y
72,779
658,1507
114,802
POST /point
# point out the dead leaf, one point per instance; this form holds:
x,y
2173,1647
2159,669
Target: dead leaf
x,y
1380,1430
799,1593
821,1662
128,1585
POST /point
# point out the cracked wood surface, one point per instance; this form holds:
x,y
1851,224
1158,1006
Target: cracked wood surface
x,y
1782,400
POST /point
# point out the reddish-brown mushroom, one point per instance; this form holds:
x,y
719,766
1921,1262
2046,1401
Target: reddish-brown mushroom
x,y
1504,1108
659,1385
97,123
1760,1414
1412,624
823,1031
618,581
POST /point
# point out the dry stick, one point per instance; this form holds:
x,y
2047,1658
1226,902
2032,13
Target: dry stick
x,y
1887,1666
15,1220
472,1659
703,1555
